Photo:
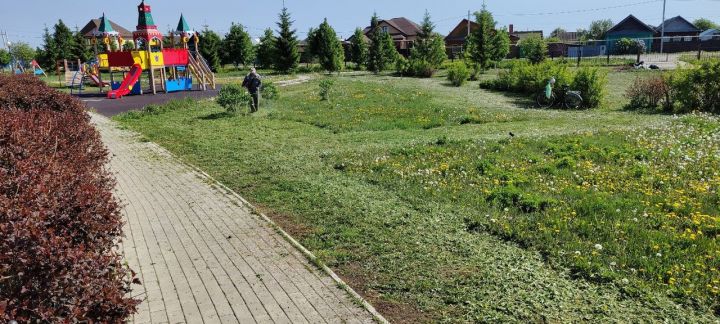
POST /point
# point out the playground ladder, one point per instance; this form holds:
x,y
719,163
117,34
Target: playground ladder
x,y
202,71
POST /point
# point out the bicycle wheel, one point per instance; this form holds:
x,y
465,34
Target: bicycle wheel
x,y
573,100
543,101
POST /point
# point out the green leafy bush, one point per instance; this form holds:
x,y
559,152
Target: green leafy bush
x,y
698,88
401,66
458,73
626,46
233,97
534,49
591,83
269,90
419,68
649,93
523,77
325,88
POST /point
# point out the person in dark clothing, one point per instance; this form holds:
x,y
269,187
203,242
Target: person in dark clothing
x,y
252,83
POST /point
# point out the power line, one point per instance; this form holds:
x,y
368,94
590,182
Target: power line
x,y
580,10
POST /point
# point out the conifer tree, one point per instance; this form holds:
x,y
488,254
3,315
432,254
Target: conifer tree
x,y
359,49
237,46
430,46
80,48
382,51
487,44
324,45
286,45
63,41
265,50
46,55
210,48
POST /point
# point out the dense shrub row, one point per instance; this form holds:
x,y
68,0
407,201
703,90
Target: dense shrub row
x,y
687,90
59,223
523,77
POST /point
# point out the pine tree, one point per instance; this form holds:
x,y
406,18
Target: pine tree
x,y
80,48
63,41
287,56
487,44
325,45
210,48
265,51
46,55
4,58
237,46
377,55
390,52
358,49
430,46
308,55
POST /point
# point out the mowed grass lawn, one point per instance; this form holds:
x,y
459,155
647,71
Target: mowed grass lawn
x,y
419,197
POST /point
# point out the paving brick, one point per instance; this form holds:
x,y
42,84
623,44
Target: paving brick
x,y
202,256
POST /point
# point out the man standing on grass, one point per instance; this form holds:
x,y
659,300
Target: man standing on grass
x,y
252,83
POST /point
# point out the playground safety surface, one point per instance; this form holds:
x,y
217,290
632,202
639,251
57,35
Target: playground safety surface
x,y
112,107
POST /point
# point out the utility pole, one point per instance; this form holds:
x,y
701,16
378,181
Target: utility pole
x,y
662,33
468,33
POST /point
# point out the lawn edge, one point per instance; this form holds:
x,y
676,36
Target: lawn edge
x,y
306,253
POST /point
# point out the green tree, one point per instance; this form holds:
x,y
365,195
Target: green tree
x,y
557,32
46,55
358,49
534,49
308,55
429,46
705,24
486,44
599,28
286,45
128,45
4,58
324,44
63,41
169,39
210,48
382,51
265,50
80,48
237,46
23,52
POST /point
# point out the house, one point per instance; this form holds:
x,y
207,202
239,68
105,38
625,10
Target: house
x,y
680,36
91,29
455,41
630,27
402,30
710,34
517,36
568,37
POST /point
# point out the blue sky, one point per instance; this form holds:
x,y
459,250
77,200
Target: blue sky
x,y
24,20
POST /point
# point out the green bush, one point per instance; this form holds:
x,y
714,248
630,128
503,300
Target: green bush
x,y
419,68
626,46
458,73
523,77
269,91
698,88
233,97
591,82
401,66
325,88
534,49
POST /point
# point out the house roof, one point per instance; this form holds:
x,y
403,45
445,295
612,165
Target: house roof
x,y
678,25
406,26
568,36
710,32
520,35
459,33
631,24
93,26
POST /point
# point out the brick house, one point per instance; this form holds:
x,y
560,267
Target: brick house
x,y
455,40
402,30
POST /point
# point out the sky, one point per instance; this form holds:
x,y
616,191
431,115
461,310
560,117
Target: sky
x,y
24,20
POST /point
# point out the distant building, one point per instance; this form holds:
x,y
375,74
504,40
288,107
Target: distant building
x,y
455,41
680,35
91,29
517,36
630,27
710,34
402,30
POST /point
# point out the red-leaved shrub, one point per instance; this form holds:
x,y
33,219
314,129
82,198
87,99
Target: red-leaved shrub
x,y
59,223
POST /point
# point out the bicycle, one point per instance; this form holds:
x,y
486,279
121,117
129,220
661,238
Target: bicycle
x,y
570,99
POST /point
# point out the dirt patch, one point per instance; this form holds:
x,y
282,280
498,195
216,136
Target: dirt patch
x,y
394,311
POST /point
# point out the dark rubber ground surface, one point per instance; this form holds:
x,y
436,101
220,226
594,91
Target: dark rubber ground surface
x,y
112,107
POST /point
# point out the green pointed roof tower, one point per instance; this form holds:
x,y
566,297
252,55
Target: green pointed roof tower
x,y
183,26
145,19
105,28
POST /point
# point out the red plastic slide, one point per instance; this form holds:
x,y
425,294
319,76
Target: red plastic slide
x,y
127,84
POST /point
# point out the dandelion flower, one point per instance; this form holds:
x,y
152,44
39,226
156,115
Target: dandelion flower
x,y
598,247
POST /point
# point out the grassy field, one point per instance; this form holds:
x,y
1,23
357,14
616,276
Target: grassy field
x,y
418,196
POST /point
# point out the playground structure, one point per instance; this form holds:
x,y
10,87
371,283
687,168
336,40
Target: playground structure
x,y
168,69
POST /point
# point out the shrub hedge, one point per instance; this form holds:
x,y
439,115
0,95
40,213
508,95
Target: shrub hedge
x,y
59,223
458,73
523,77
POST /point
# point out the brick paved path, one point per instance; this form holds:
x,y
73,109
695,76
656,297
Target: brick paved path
x,y
203,256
